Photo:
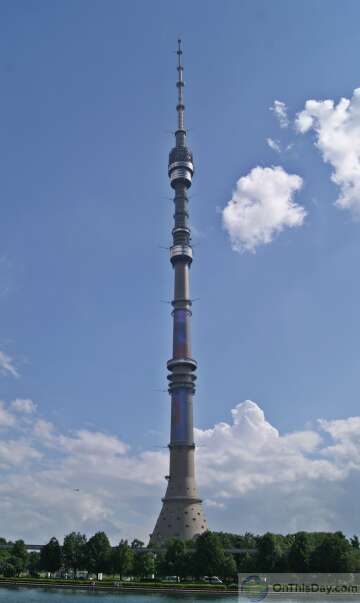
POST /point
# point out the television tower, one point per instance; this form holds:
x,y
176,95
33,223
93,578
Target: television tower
x,y
182,514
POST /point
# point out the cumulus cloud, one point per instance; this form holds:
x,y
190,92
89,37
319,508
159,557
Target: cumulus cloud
x,y
258,448
7,366
22,405
280,111
337,132
252,477
261,206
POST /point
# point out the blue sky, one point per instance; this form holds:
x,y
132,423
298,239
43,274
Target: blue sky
x,y
87,114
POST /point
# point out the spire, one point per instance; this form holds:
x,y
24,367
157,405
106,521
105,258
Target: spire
x,y
180,168
180,107
180,86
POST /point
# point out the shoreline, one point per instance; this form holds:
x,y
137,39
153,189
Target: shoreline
x,y
116,589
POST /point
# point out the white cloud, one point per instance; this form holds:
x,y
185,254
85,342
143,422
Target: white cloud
x,y
262,455
337,130
7,366
22,405
273,144
44,430
6,418
280,110
262,206
93,443
214,503
344,428
17,452
252,477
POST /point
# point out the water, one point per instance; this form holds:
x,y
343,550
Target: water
x,y
54,595
34,595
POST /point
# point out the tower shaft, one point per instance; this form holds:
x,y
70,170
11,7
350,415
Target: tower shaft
x,y
181,515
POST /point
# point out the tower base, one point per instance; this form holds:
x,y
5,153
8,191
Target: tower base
x,y
180,517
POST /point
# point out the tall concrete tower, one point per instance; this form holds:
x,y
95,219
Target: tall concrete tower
x,y
182,514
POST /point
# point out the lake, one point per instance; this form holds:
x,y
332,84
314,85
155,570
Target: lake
x,y
34,595
54,595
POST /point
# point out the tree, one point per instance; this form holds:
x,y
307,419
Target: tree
x,y
17,564
98,553
74,551
333,554
143,565
268,556
7,569
176,561
50,556
299,553
137,544
355,542
159,563
246,541
4,553
209,555
33,563
246,563
20,554
122,558
227,570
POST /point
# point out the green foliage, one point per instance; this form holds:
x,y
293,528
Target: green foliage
x,y
246,563
7,569
299,553
209,557
355,543
18,564
269,557
237,541
74,551
19,556
50,556
98,553
333,554
122,559
137,544
159,563
143,565
227,570
177,559
33,564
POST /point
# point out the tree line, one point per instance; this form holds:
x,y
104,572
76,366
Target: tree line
x,y
207,555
